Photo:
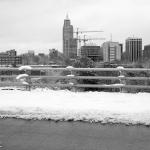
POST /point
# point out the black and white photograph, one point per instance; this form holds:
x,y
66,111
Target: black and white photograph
x,y
74,75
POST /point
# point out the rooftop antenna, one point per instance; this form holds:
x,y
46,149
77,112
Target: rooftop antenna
x,y
67,17
111,37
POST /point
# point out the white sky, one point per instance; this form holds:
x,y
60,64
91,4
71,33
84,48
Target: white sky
x,y
37,24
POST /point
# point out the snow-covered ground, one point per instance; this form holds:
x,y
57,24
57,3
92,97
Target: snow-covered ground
x,y
66,105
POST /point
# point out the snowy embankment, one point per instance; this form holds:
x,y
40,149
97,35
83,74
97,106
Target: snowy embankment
x,y
65,105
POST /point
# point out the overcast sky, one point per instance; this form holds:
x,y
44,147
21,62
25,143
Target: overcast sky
x,y
37,24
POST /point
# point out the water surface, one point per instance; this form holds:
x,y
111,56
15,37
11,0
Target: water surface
x,y
17,134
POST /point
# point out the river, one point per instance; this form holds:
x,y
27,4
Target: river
x,y
17,134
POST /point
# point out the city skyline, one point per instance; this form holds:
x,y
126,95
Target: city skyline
x,y
37,24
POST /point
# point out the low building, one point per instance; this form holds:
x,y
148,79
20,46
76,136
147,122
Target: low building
x,y
41,55
92,52
31,53
53,53
7,59
12,52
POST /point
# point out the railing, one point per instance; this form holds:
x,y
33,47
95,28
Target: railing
x,y
119,78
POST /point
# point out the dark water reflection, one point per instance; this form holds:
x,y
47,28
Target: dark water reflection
x,y
49,135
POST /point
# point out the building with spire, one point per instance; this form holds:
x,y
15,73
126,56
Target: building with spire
x,y
69,42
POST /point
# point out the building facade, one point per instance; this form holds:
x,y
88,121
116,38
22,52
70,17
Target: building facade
x,y
134,49
12,52
112,51
92,52
69,42
10,58
146,52
31,53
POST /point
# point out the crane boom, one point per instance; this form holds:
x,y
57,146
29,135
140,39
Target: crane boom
x,y
81,32
84,40
88,39
87,31
92,39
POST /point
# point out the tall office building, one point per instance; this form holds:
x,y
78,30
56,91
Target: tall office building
x,y
134,49
146,52
111,51
69,42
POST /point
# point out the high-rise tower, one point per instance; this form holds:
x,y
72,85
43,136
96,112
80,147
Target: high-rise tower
x,y
134,49
111,51
69,42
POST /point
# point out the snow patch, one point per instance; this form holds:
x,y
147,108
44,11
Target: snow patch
x,y
101,107
70,75
25,68
120,67
69,67
22,76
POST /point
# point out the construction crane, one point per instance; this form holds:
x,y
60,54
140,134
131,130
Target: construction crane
x,y
81,32
84,40
88,39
